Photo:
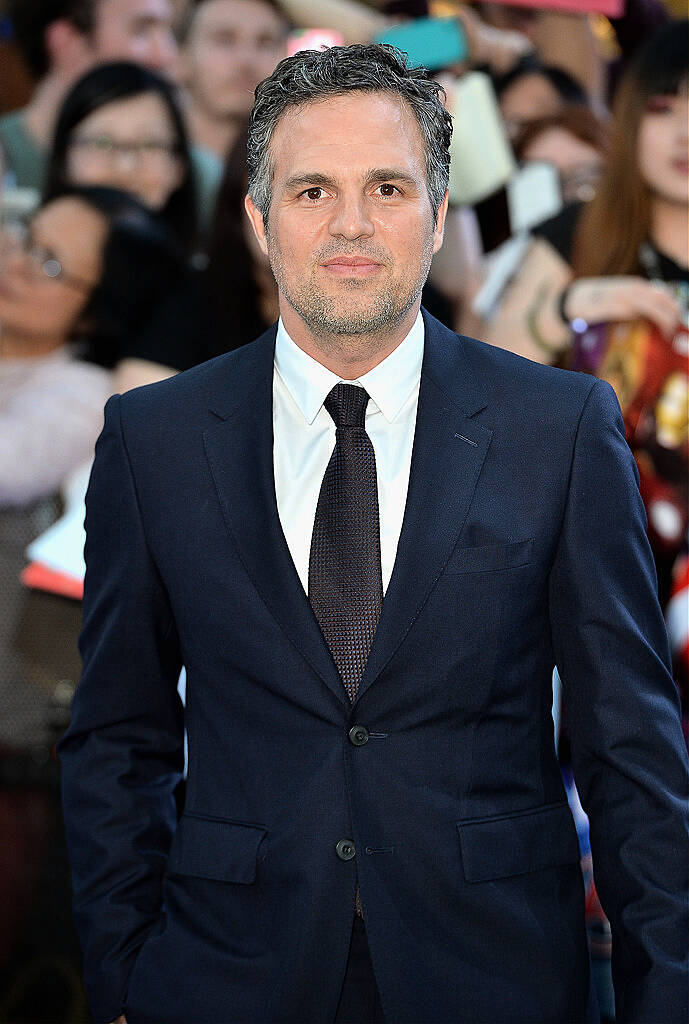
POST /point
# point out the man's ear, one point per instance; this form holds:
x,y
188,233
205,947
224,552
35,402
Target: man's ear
x,y
439,229
256,218
69,50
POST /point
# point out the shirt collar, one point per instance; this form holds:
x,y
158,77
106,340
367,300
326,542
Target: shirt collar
x,y
389,384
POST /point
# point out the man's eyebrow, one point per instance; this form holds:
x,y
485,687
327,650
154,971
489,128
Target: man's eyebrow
x,y
376,174
303,180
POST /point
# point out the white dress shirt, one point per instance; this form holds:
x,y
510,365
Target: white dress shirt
x,y
304,438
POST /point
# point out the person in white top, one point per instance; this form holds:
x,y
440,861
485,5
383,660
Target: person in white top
x,y
51,403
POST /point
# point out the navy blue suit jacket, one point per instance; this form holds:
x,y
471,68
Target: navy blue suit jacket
x,y
523,546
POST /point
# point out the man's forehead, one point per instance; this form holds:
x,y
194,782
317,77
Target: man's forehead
x,y
362,101
362,120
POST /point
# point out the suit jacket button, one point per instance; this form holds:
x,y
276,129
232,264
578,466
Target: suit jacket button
x,y
358,734
345,849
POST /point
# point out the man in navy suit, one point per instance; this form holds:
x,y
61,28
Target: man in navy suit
x,y
375,827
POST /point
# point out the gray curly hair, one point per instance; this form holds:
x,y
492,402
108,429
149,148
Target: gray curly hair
x,y
310,75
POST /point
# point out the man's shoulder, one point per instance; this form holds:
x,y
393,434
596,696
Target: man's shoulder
x,y
513,372
212,384
507,379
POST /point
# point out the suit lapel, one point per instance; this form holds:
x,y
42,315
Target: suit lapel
x,y
239,449
449,449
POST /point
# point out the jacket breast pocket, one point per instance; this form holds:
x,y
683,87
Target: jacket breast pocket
x,y
516,844
224,851
490,557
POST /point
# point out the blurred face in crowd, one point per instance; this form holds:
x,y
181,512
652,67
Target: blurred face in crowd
x,y
530,98
662,147
137,30
232,46
128,144
47,275
350,232
579,163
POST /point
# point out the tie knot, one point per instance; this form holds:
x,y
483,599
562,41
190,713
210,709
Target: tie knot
x,y
347,403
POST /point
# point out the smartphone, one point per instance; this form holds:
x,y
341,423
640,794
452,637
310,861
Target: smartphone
x,y
434,42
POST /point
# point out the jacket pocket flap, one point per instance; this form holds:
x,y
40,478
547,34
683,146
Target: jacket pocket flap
x,y
225,851
490,557
519,843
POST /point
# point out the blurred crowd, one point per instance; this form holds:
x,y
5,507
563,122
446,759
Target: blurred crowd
x,y
126,256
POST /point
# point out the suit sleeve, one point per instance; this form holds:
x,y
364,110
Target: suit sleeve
x,y
122,756
628,752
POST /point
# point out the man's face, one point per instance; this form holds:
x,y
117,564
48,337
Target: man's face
x,y
350,232
232,46
137,30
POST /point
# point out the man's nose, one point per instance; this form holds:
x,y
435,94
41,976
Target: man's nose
x,y
351,218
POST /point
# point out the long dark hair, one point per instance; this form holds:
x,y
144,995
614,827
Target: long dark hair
x,y
230,280
620,213
142,264
109,83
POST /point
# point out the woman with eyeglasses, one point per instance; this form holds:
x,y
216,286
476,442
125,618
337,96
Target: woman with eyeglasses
x,y
75,288
121,125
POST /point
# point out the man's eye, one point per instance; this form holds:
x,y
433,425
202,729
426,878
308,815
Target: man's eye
x,y
314,193
387,189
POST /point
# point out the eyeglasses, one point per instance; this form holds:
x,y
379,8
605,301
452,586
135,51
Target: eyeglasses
x,y
41,260
102,147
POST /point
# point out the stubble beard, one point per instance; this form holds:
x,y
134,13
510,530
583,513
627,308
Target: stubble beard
x,y
333,321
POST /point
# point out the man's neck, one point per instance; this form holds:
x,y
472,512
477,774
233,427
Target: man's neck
x,y
41,112
216,134
347,356
669,227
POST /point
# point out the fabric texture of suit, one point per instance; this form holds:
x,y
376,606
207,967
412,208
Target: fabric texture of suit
x,y
522,546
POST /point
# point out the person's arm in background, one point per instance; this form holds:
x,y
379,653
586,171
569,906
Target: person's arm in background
x,y
360,22
123,754
496,48
530,323
628,753
356,22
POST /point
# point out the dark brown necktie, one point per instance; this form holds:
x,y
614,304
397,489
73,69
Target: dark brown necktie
x,y
345,581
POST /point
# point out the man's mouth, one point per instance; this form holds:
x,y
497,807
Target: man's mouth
x,y
351,266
